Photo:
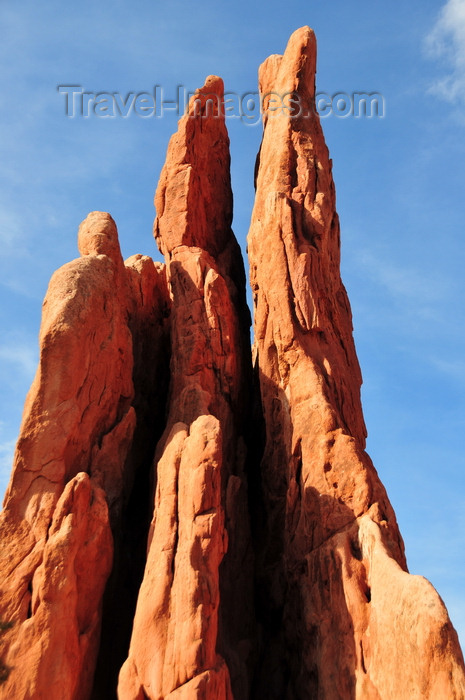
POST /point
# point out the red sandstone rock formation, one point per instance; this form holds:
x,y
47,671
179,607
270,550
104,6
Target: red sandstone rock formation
x,y
341,617
69,476
200,530
56,539
200,512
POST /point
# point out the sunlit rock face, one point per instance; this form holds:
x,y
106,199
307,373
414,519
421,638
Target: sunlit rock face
x,y
340,616
194,610
187,518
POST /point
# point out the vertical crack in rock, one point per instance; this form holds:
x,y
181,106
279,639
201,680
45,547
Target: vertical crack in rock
x,y
331,571
148,320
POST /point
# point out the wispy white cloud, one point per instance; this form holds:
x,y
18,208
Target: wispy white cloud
x,y
21,356
11,231
7,448
454,368
18,363
413,305
6,456
446,42
404,283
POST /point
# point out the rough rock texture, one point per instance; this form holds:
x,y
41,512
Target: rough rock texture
x,y
201,499
182,525
340,616
70,481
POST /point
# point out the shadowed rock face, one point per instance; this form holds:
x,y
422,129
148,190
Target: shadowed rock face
x,y
331,571
184,523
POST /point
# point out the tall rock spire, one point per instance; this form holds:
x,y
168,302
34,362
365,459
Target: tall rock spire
x,y
331,569
192,614
74,471
56,540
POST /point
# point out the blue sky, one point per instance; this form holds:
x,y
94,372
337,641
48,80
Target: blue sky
x,y
400,192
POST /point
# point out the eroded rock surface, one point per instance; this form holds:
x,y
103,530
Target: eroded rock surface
x,y
331,569
56,541
70,482
200,514
182,523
